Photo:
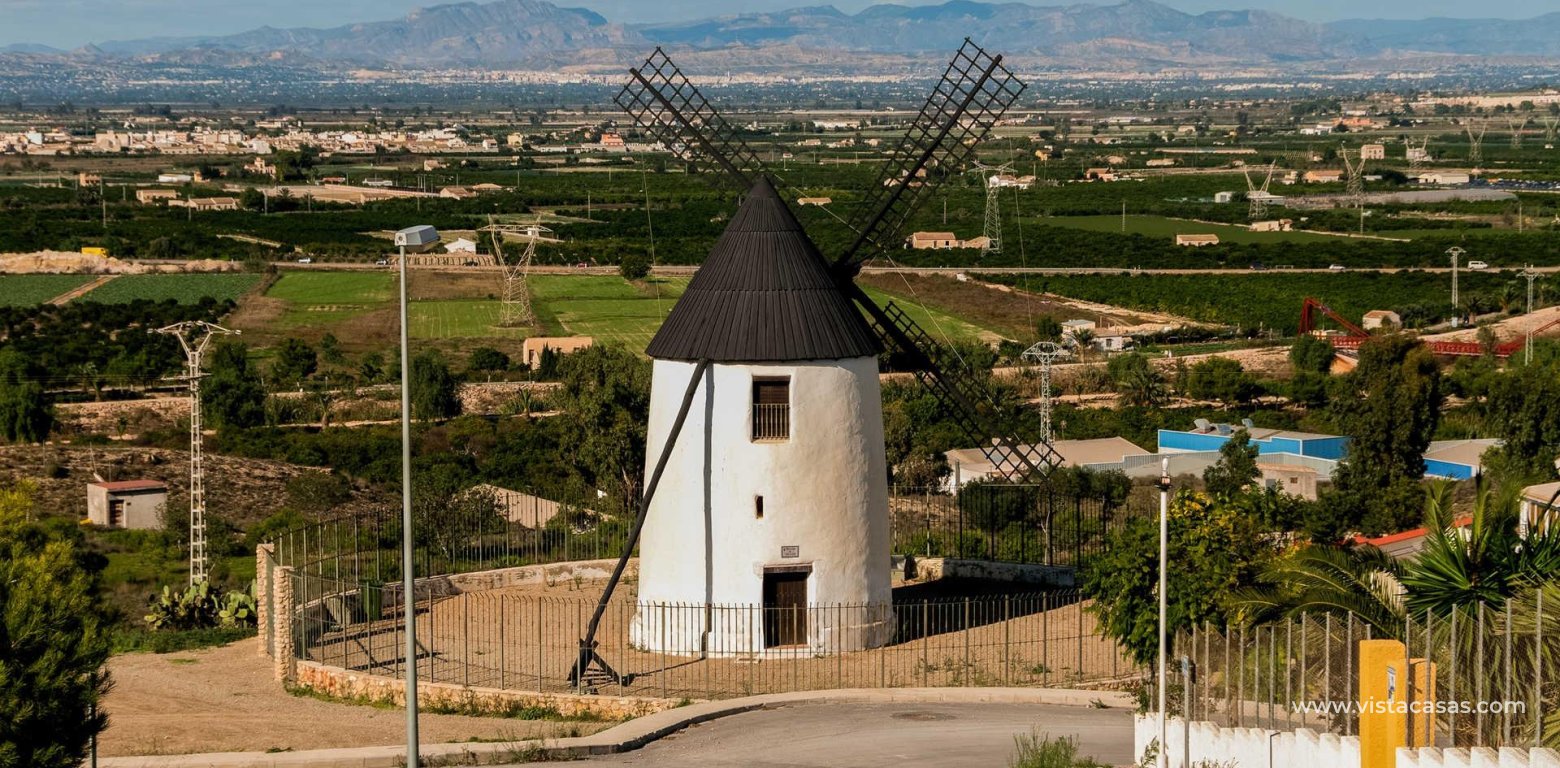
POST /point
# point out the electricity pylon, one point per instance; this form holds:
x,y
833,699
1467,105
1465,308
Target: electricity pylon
x,y
195,336
1046,353
1517,123
1417,154
1258,198
1456,253
993,230
1355,172
1476,129
515,309
1531,276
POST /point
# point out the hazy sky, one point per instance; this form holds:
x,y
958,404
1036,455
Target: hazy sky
x,y
70,23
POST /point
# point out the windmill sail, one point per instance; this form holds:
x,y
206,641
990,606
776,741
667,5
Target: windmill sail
x,y
973,94
661,99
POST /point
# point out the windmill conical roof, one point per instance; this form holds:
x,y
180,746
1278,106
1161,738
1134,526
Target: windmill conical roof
x,y
764,294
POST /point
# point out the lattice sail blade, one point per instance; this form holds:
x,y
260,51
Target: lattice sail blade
x,y
663,102
968,401
974,93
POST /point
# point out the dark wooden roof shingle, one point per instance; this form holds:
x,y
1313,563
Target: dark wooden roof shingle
x,y
764,294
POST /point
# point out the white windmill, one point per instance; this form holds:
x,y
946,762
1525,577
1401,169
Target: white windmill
x,y
766,427
780,498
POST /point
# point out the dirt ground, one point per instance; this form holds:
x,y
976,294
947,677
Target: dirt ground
x,y
1008,310
224,699
1509,329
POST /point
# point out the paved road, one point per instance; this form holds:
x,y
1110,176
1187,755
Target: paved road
x,y
857,735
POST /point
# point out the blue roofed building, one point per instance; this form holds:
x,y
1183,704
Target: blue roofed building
x,y
1207,436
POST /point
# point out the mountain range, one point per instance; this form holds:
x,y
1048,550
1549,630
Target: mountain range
x,y
1134,33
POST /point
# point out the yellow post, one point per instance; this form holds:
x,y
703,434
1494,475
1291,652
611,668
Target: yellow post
x,y
1383,693
1424,696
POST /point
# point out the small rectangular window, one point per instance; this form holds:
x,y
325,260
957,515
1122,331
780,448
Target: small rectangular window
x,y
772,409
758,507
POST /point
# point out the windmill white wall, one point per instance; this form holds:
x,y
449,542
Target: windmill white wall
x,y
824,493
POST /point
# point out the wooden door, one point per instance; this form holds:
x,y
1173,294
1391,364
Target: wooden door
x,y
785,608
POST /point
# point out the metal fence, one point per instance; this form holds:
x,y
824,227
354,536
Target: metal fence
x,y
1487,673
1031,524
346,605
514,641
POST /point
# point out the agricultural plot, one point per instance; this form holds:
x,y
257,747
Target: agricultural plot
x,y
184,288
320,299
941,325
28,290
459,319
1266,299
609,309
1168,228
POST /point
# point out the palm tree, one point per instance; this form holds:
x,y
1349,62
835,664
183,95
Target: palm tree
x,y
1144,387
1487,561
1360,580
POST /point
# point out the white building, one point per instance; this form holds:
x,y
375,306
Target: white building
x,y
461,245
775,490
127,503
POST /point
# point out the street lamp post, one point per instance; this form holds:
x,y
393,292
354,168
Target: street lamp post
x,y
1164,547
415,237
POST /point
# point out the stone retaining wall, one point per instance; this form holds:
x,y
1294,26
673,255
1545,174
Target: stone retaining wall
x,y
932,568
358,687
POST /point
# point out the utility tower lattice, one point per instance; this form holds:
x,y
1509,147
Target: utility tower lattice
x,y
1517,123
1455,252
1354,170
1531,276
515,310
1046,353
993,229
1258,198
1476,129
1551,127
195,336
1417,155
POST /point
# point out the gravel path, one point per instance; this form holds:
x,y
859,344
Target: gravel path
x,y
225,700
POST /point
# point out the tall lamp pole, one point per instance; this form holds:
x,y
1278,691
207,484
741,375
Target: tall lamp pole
x,y
1164,547
415,237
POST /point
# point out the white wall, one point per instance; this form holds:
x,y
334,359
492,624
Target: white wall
x,y
1305,748
825,491
1249,747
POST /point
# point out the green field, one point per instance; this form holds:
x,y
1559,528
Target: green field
x,y
460,319
938,323
1160,226
27,290
609,309
333,287
186,289
319,299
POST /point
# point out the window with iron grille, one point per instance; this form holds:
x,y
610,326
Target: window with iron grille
x,y
772,409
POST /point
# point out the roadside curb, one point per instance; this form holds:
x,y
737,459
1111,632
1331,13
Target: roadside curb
x,y
626,737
